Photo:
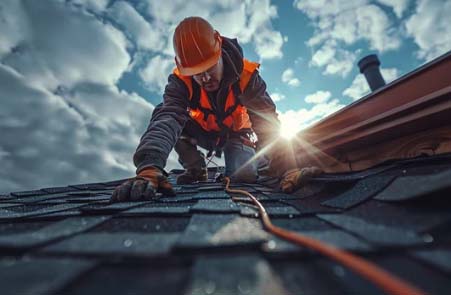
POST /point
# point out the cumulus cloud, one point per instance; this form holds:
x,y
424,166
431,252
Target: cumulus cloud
x,y
334,60
359,87
350,21
155,73
268,44
340,23
58,46
318,97
252,24
63,120
249,21
146,36
50,139
277,96
289,78
293,121
429,27
13,25
94,5
398,6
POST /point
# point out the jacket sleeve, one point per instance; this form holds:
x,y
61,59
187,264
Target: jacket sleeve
x,y
261,110
165,127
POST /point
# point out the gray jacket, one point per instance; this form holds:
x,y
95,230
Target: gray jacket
x,y
170,116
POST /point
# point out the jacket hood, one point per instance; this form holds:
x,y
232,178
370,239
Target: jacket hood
x,y
232,55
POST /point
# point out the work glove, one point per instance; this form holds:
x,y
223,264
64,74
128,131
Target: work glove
x,y
143,187
295,178
281,157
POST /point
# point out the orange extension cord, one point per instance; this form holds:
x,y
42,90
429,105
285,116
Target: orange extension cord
x,y
373,273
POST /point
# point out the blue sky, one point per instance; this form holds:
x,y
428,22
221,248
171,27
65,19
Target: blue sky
x,y
79,78
387,28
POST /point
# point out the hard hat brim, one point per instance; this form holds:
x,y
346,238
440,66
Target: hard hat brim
x,y
206,64
202,67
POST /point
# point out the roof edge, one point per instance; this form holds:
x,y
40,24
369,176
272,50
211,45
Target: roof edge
x,y
417,102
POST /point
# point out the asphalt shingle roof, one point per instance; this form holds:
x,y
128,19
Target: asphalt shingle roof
x,y
71,240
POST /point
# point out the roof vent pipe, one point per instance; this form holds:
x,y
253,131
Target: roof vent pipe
x,y
369,67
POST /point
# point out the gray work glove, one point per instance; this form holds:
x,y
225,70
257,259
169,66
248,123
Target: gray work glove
x,y
143,187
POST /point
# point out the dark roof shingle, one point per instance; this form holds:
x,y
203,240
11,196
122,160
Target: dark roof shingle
x,y
201,242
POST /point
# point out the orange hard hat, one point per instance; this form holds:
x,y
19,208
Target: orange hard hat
x,y
197,46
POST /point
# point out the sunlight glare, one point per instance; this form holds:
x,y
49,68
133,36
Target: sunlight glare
x,y
289,126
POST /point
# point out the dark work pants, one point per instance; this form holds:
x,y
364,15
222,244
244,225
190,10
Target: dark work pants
x,y
240,164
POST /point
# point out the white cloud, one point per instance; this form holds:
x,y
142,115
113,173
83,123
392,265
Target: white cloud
x,y
3,153
374,25
318,97
147,36
252,21
59,48
293,121
66,138
289,78
336,61
277,96
13,25
155,73
268,44
62,117
324,55
340,23
350,21
341,66
390,74
94,5
63,120
398,6
430,29
359,87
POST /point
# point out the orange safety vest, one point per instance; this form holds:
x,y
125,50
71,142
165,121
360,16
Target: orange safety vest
x,y
235,114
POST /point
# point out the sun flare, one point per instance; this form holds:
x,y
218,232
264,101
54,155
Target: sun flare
x,y
289,126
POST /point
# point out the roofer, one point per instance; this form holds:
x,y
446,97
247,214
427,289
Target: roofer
x,y
215,99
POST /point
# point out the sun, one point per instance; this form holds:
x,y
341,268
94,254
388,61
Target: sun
x,y
289,126
285,132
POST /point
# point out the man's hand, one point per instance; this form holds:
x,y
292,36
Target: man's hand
x,y
143,187
296,178
281,157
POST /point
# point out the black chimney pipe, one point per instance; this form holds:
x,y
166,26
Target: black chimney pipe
x,y
369,67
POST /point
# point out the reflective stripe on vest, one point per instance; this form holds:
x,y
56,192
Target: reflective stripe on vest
x,y
236,117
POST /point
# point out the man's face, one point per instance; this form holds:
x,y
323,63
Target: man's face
x,y
211,78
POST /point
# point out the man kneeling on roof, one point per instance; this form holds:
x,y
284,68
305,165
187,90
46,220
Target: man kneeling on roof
x,y
214,99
